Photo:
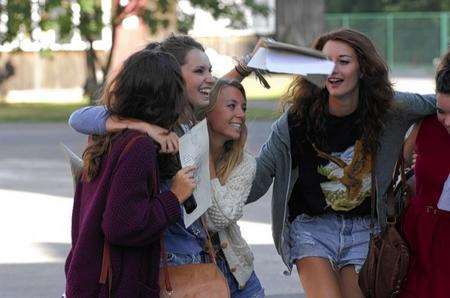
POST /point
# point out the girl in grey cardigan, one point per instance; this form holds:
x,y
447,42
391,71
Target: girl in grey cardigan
x,y
320,156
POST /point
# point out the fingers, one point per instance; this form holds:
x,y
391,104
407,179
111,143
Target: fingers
x,y
189,170
189,173
183,184
168,143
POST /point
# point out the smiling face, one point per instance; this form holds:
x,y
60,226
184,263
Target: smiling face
x,y
196,72
227,119
443,109
343,82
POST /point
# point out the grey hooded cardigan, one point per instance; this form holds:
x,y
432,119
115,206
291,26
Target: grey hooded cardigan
x,y
274,163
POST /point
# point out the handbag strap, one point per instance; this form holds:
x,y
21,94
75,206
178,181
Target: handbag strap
x,y
373,194
210,248
106,272
210,251
399,172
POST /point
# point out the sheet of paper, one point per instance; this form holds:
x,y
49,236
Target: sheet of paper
x,y
194,150
259,59
75,162
313,69
444,200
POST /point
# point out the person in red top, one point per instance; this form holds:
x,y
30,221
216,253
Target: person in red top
x,y
426,224
117,205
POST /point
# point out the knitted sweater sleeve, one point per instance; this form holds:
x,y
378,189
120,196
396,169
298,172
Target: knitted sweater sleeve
x,y
228,200
134,216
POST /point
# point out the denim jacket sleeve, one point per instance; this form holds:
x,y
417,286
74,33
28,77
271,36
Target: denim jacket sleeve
x,y
90,120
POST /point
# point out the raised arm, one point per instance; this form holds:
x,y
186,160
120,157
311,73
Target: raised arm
x,y
228,200
241,71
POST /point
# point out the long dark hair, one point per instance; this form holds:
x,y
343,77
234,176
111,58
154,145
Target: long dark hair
x,y
443,75
310,103
177,45
149,87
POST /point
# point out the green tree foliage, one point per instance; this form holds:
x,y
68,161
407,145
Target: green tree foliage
x,y
346,6
58,14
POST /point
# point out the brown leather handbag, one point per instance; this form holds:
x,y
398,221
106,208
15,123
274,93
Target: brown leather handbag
x,y
387,262
203,280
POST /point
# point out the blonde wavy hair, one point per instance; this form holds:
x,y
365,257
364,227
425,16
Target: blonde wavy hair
x,y
233,151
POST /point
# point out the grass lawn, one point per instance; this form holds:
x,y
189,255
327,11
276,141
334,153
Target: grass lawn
x,y
56,112
278,86
36,112
44,112
261,114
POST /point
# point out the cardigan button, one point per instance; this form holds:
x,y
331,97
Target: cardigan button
x,y
224,245
233,270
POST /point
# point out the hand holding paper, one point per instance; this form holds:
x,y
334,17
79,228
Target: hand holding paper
x,y
194,151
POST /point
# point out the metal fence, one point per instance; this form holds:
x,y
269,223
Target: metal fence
x,y
405,39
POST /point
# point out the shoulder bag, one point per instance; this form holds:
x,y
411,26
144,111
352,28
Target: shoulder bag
x,y
204,280
386,265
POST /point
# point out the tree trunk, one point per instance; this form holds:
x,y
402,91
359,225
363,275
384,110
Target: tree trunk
x,y
299,21
91,84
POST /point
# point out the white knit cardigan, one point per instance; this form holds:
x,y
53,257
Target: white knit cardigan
x,y
227,203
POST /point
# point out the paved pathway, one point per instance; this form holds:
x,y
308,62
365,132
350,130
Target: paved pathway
x,y
35,209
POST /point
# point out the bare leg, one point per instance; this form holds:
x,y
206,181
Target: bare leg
x,y
348,279
318,278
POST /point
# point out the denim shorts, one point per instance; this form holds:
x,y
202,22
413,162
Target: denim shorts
x,y
341,240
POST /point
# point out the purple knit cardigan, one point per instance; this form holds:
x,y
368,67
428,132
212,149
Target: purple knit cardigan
x,y
118,205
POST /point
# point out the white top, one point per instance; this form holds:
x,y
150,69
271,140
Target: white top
x,y
228,201
444,200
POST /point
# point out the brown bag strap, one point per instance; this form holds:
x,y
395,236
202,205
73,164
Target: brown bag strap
x,y
398,176
211,252
373,194
106,273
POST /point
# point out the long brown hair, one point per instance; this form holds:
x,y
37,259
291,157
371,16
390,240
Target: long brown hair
x,y
148,87
309,103
233,150
443,75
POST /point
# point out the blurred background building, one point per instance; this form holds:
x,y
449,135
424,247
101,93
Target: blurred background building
x,y
65,61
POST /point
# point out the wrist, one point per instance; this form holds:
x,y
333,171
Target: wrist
x,y
176,194
241,67
113,124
